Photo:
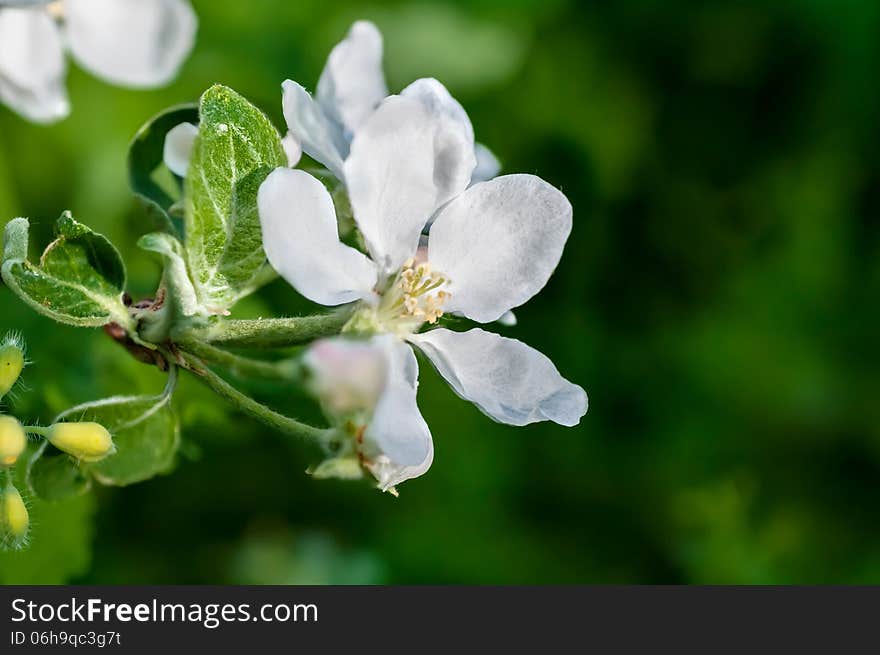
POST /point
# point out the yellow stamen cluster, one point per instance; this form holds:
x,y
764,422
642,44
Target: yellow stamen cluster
x,y
56,9
420,295
414,296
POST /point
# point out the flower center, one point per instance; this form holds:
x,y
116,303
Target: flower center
x,y
414,296
55,8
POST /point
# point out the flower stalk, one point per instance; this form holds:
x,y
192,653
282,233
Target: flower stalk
x,y
253,408
271,332
241,366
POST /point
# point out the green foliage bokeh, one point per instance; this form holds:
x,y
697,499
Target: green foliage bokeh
x,y
717,299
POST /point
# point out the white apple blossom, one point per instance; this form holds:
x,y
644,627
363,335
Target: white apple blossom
x,y
368,390
492,246
133,43
350,88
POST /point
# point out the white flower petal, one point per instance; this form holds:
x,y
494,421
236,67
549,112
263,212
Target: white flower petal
x,y
136,43
498,243
302,241
178,147
320,138
488,165
439,101
407,159
32,66
352,83
450,168
292,149
508,380
398,441
487,168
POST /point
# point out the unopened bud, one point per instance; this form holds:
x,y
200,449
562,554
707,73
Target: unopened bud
x,y
87,441
178,148
346,375
12,440
14,519
11,362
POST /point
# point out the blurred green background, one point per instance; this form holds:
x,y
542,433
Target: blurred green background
x,y
717,299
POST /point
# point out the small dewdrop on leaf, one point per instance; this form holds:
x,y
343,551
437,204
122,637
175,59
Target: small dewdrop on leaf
x,y
12,362
86,441
12,440
14,519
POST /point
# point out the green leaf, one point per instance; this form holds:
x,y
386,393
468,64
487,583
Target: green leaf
x,y
153,184
145,431
60,543
80,277
54,475
237,147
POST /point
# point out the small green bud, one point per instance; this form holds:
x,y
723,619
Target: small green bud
x,y
12,440
87,441
12,362
14,518
343,468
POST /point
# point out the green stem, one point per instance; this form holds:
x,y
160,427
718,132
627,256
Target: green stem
x,y
36,429
257,410
272,332
285,370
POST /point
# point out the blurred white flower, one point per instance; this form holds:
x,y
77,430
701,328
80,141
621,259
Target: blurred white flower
x,y
350,88
492,246
133,43
347,375
368,390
